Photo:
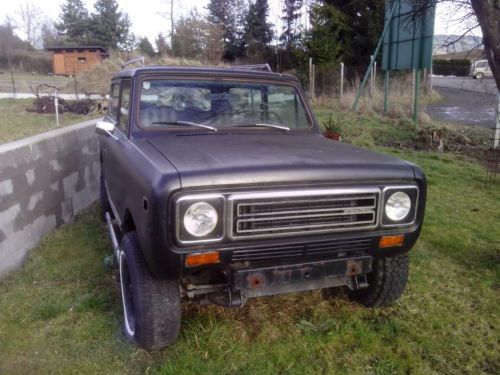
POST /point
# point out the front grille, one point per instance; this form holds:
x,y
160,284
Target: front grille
x,y
262,255
302,212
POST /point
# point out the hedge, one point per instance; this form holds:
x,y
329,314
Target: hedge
x,y
452,67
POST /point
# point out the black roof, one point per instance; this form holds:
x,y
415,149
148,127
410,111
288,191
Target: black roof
x,y
76,48
199,70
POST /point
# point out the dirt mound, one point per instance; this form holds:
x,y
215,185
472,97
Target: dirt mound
x,y
96,81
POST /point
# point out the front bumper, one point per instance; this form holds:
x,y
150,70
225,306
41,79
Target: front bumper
x,y
299,277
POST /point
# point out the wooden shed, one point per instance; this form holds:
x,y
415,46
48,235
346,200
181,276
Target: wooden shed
x,y
67,61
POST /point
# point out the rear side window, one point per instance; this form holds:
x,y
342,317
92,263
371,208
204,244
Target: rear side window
x,y
124,105
114,97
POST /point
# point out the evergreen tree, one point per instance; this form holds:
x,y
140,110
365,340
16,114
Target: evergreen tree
x,y
324,41
258,33
110,27
75,22
161,45
223,14
146,47
291,15
364,20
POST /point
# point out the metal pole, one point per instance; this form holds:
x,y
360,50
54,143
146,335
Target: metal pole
x,y
496,135
56,107
430,78
313,93
379,44
341,79
13,82
310,76
413,90
371,75
386,91
375,73
416,96
76,86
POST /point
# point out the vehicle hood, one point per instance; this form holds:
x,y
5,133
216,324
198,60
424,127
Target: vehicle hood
x,y
270,158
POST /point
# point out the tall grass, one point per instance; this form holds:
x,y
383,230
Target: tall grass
x,y
400,97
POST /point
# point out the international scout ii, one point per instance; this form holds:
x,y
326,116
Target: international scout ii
x,y
218,186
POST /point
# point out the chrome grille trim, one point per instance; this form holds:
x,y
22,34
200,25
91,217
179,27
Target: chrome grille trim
x,y
295,212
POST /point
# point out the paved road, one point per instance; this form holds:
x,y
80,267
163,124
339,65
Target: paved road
x,y
463,106
485,85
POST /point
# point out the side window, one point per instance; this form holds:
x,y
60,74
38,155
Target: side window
x,y
284,102
114,97
124,105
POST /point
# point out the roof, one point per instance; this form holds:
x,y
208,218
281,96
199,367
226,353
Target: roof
x,y
198,70
76,48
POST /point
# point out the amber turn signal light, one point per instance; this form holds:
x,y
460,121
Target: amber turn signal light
x,y
199,259
391,241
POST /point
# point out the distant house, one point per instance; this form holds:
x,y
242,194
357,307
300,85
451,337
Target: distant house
x,y
67,61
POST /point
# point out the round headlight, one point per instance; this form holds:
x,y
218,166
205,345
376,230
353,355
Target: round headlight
x,y
200,219
398,206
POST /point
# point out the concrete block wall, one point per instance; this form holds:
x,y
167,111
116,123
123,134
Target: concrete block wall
x,y
45,181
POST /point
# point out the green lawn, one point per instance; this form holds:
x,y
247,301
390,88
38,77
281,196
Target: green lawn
x,y
62,313
17,123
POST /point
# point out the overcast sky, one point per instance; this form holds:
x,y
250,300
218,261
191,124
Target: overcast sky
x,y
147,19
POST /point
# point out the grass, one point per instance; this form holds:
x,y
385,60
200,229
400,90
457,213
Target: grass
x,y
24,82
61,313
17,123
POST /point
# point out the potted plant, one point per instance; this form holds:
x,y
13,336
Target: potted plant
x,y
332,129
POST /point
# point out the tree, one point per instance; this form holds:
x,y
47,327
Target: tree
x,y
146,47
31,20
75,22
110,26
169,14
214,46
291,15
161,45
487,13
190,36
49,34
258,33
324,41
362,22
223,14
487,16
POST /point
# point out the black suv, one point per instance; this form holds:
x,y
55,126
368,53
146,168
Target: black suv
x,y
218,186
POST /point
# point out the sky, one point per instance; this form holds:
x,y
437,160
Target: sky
x,y
147,19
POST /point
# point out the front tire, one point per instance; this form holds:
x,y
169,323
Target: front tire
x,y
479,76
387,282
151,306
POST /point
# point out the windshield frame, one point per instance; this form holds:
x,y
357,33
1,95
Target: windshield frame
x,y
311,119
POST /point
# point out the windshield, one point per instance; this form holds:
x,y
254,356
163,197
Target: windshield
x,y
219,104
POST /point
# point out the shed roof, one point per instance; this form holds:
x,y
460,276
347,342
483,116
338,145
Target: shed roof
x,y
77,48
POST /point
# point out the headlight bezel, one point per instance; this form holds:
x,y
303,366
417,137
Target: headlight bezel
x,y
410,218
181,207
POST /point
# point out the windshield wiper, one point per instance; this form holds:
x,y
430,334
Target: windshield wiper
x,y
262,125
186,123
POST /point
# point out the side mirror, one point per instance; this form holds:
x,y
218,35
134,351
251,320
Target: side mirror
x,y
105,128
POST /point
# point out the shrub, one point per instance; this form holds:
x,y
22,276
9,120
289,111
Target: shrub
x,y
452,67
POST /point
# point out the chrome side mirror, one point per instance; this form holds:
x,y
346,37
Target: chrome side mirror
x,y
105,128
